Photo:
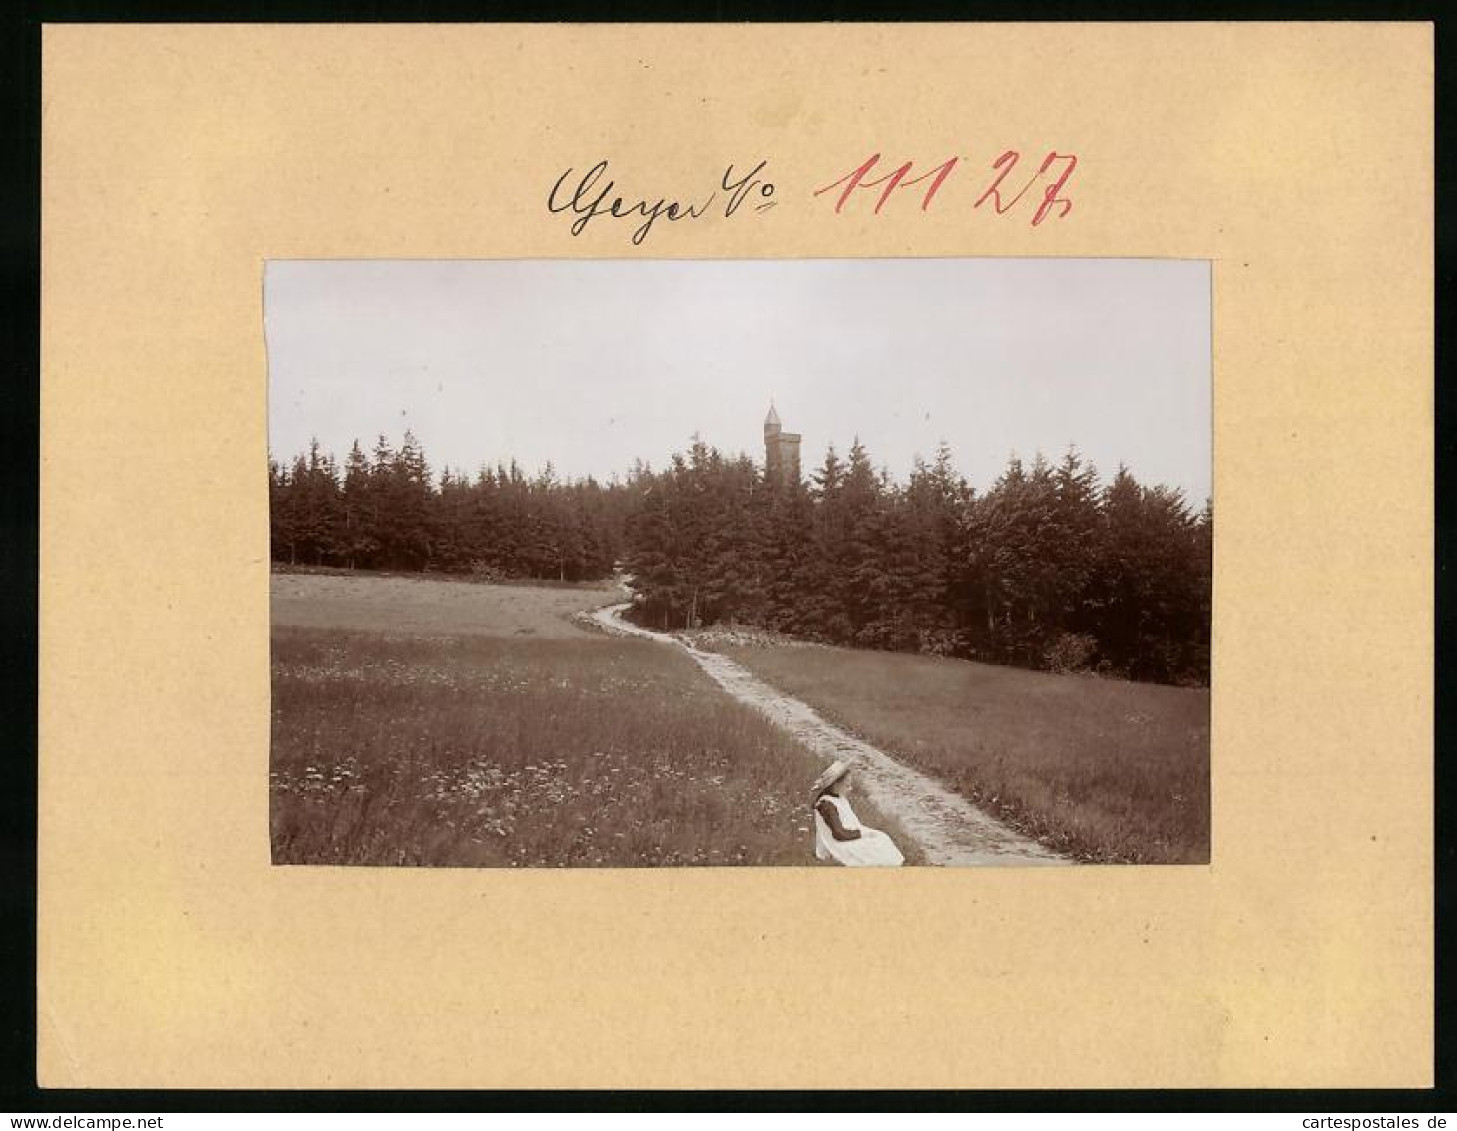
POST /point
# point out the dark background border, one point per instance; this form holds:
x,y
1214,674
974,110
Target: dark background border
x,y
19,558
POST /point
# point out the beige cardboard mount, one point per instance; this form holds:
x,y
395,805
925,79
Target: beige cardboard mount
x,y
178,159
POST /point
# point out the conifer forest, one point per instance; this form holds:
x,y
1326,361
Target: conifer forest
x,y
1051,567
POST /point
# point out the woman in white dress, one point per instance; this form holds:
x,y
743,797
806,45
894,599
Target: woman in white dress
x,y
839,835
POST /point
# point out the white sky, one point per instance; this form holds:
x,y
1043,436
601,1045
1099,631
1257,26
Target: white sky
x,y
593,363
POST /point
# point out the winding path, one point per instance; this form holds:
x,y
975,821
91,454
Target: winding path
x,y
947,827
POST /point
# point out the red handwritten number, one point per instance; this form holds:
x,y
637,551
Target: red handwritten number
x,y
892,181
1050,197
1003,165
854,179
941,171
1010,159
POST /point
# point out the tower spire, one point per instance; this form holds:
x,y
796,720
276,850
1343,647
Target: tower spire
x,y
781,450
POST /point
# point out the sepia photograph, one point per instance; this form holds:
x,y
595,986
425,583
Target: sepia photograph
x,y
646,563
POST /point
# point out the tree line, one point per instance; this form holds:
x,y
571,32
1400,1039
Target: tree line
x,y
1049,568
387,511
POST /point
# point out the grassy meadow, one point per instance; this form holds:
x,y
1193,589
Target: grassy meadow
x,y
426,605
490,747
1106,770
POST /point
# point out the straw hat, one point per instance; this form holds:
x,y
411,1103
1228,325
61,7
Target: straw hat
x,y
832,774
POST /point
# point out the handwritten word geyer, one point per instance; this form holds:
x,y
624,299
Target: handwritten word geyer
x,y
879,187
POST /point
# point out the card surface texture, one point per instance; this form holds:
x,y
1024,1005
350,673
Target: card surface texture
x,y
482,464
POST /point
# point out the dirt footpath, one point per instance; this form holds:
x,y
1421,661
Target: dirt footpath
x,y
948,828
430,606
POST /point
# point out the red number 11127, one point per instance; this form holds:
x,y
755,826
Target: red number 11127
x,y
1052,175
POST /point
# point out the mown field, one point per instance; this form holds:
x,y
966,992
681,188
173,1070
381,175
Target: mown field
x,y
430,605
1106,770
489,747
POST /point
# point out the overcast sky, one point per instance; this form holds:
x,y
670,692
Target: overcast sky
x,y
594,363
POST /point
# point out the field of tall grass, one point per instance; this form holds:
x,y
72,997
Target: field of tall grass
x,y
1106,770
484,751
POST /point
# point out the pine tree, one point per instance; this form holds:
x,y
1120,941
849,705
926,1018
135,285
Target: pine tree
x,y
282,514
359,542
1072,545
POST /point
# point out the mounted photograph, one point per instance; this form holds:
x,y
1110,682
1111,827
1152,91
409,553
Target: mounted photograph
x,y
646,563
